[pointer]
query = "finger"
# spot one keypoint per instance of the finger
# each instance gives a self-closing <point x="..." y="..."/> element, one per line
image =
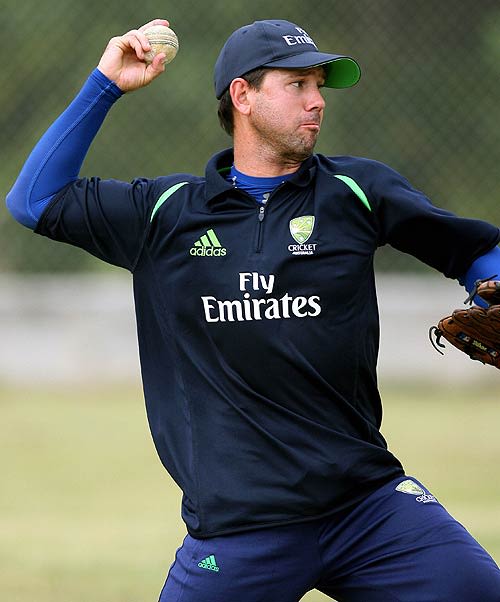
<point x="154" y="22"/>
<point x="138" y="34"/>
<point x="138" y="42"/>
<point x="157" y="65"/>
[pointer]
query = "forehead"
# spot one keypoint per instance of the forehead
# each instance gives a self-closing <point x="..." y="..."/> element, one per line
<point x="318" y="72"/>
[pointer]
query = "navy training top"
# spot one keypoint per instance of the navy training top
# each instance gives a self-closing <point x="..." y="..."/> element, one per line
<point x="258" y="325"/>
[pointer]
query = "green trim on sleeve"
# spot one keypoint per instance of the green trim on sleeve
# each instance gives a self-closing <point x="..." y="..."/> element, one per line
<point x="356" y="189"/>
<point x="168" y="193"/>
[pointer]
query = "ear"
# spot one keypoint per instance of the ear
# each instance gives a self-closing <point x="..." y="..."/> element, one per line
<point x="239" y="89"/>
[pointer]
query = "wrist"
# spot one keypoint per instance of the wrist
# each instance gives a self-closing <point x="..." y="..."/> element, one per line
<point x="105" y="84"/>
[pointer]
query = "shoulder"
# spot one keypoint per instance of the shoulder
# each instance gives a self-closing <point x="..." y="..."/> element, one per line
<point x="173" y="190"/>
<point x="365" y="169"/>
<point x="375" y="178"/>
<point x="167" y="186"/>
<point x="163" y="183"/>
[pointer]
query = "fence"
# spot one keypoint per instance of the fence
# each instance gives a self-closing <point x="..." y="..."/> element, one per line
<point x="427" y="104"/>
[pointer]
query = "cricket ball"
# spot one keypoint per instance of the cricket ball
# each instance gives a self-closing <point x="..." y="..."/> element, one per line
<point x="162" y="39"/>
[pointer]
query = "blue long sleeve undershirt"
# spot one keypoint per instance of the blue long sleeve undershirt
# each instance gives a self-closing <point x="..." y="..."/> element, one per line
<point x="57" y="158"/>
<point x="486" y="266"/>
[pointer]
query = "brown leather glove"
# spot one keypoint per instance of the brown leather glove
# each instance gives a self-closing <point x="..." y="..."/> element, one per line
<point x="475" y="330"/>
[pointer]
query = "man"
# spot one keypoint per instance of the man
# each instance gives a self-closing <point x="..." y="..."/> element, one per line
<point x="258" y="330"/>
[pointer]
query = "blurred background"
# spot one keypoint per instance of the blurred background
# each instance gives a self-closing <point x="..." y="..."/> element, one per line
<point x="427" y="102"/>
<point x="86" y="512"/>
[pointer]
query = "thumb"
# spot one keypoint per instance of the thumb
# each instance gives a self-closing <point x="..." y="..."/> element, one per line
<point x="155" y="68"/>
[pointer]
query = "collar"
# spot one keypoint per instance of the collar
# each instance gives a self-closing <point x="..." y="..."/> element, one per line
<point x="220" y="164"/>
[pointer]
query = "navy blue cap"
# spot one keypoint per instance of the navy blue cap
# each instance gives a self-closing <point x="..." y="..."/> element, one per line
<point x="280" y="44"/>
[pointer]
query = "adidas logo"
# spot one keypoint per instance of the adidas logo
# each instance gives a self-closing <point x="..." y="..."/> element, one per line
<point x="208" y="246"/>
<point x="209" y="563"/>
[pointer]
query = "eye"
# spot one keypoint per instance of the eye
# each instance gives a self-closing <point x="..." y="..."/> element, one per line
<point x="298" y="84"/>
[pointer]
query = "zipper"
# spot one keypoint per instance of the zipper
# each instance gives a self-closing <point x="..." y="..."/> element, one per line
<point x="261" y="215"/>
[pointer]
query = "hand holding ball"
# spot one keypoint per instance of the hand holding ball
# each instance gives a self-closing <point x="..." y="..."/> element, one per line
<point x="161" y="39"/>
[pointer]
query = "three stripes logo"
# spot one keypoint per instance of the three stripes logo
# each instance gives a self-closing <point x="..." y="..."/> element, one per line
<point x="209" y="563"/>
<point x="208" y="246"/>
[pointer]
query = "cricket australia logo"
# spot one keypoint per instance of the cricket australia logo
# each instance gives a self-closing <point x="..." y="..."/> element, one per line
<point x="411" y="488"/>
<point x="208" y="246"/>
<point x="301" y="229"/>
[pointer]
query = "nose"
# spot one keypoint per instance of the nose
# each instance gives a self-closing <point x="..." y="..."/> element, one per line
<point x="315" y="101"/>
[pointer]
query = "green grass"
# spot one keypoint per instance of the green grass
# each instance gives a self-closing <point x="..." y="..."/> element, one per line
<point x="87" y="513"/>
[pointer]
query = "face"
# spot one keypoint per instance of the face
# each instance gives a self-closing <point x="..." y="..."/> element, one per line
<point x="287" y="111"/>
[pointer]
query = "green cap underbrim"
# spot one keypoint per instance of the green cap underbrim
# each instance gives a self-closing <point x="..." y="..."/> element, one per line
<point x="342" y="73"/>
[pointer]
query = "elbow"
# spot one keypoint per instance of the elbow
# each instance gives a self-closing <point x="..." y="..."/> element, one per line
<point x="17" y="208"/>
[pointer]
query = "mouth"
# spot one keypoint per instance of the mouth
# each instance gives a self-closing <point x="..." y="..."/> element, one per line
<point x="315" y="127"/>
<point x="313" y="123"/>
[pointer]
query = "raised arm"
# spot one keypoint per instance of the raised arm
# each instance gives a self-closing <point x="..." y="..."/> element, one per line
<point x="57" y="158"/>
<point x="124" y="62"/>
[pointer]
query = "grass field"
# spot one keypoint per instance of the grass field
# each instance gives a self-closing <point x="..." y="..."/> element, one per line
<point x="87" y="514"/>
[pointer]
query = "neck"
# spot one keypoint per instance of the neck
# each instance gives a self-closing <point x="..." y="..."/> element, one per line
<point x="262" y="161"/>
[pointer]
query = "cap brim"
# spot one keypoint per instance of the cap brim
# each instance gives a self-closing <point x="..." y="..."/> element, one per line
<point x="341" y="71"/>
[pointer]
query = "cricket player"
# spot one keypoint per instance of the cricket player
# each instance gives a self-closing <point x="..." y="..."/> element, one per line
<point x="258" y="329"/>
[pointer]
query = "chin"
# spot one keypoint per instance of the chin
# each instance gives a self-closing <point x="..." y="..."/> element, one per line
<point x="298" y="149"/>
<point x="306" y="149"/>
<point x="298" y="156"/>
